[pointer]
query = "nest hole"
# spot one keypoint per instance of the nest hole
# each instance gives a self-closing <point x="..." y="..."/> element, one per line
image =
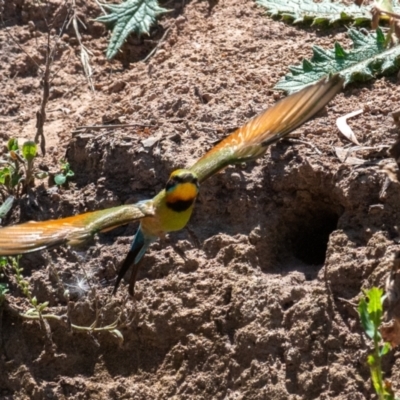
<point x="305" y="231"/>
<point x="310" y="237"/>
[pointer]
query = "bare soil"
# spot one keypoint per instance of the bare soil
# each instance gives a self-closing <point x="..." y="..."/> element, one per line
<point x="277" y="251"/>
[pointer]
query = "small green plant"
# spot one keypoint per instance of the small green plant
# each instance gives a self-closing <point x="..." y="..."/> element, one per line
<point x="6" y="207"/>
<point x="368" y="57"/>
<point x="41" y="312"/>
<point x="37" y="308"/>
<point x="129" y="16"/>
<point x="372" y="54"/>
<point x="17" y="169"/>
<point x="318" y="13"/>
<point x="10" y="168"/>
<point x="66" y="172"/>
<point x="370" y="310"/>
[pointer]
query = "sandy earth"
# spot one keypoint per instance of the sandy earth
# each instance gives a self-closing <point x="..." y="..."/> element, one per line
<point x="277" y="251"/>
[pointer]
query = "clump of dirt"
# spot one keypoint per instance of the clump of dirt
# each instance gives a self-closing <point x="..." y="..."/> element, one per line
<point x="277" y="251"/>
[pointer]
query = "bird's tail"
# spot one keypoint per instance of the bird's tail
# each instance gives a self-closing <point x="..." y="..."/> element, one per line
<point x="33" y="236"/>
<point x="133" y="258"/>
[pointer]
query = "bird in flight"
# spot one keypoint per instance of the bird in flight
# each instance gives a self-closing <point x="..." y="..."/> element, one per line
<point x="170" y="210"/>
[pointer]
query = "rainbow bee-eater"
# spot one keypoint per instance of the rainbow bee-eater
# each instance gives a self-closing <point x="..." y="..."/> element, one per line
<point x="170" y="210"/>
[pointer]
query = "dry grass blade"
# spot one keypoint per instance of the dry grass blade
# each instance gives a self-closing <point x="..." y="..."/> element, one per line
<point x="159" y="44"/>
<point x="81" y="129"/>
<point x="85" y="53"/>
<point x="344" y="155"/>
<point x="41" y="113"/>
<point x="305" y="142"/>
<point x="345" y="129"/>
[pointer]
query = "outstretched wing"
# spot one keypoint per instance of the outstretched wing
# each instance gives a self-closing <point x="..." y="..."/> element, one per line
<point x="33" y="236"/>
<point x="251" y="140"/>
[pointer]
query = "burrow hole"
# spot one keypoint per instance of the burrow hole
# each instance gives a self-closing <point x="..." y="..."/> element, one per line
<point x="310" y="236"/>
<point x="305" y="231"/>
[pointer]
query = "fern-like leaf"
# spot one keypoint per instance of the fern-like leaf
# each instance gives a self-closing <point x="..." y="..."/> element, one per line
<point x="318" y="13"/>
<point x="127" y="17"/>
<point x="368" y="58"/>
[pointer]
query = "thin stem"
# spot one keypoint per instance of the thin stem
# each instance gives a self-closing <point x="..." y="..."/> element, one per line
<point x="91" y="328"/>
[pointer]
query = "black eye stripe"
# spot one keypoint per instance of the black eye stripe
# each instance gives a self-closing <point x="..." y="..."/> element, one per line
<point x="170" y="184"/>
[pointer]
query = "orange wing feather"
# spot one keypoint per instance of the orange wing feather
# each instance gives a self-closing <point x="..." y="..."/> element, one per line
<point x="251" y="140"/>
<point x="33" y="236"/>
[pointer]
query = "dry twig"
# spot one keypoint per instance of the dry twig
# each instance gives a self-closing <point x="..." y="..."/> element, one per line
<point x="85" y="53"/>
<point x="158" y="45"/>
<point x="305" y="142"/>
<point x="81" y="129"/>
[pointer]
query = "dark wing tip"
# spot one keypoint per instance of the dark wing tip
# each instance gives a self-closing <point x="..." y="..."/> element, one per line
<point x="128" y="262"/>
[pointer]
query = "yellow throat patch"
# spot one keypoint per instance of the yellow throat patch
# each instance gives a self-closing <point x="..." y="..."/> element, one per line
<point x="182" y="192"/>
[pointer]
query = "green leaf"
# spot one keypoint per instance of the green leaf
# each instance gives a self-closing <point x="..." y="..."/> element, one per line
<point x="6" y="206"/>
<point x="12" y="144"/>
<point x="366" y="321"/>
<point x="376" y="379"/>
<point x="16" y="179"/>
<point x="43" y="306"/>
<point x="29" y="150"/>
<point x="130" y="16"/>
<point x="60" y="179"/>
<point x="70" y="173"/>
<point x="375" y="305"/>
<point x="324" y="12"/>
<point x="385" y="349"/>
<point x="364" y="61"/>
<point x="3" y="289"/>
<point x="339" y="52"/>
<point x="3" y="261"/>
<point x="4" y="173"/>
<point x="371" y="360"/>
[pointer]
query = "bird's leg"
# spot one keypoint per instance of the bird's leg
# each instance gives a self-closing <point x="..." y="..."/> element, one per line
<point x="177" y="250"/>
<point x="194" y="237"/>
